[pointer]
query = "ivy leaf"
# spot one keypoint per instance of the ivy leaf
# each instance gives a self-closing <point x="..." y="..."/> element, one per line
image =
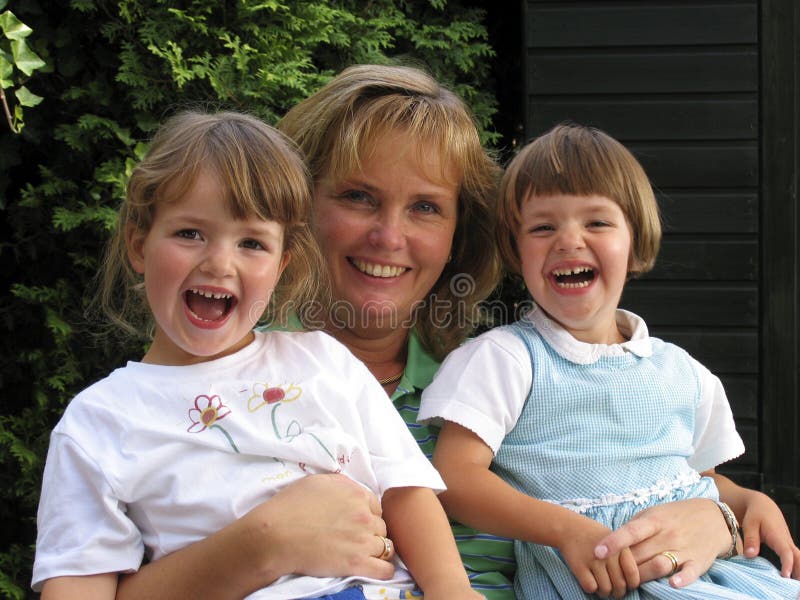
<point x="26" y="97"/>
<point x="6" y="71"/>
<point x="26" y="59"/>
<point x="12" y="27"/>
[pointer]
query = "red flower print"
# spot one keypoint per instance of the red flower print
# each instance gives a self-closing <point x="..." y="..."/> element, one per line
<point x="207" y="411"/>
<point x="273" y="394"/>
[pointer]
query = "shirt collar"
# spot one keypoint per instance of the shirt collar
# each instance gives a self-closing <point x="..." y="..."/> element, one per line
<point x="574" y="350"/>
<point x="421" y="366"/>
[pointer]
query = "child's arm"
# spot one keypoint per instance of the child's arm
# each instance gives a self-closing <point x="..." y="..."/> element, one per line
<point x="479" y="498"/>
<point x="89" y="587"/>
<point x="422" y="537"/>
<point x="760" y="519"/>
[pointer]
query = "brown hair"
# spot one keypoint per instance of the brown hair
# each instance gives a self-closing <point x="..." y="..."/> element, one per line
<point x="262" y="174"/>
<point x="341" y="122"/>
<point x="583" y="161"/>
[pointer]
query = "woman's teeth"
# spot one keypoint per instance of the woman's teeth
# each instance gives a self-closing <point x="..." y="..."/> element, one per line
<point x="378" y="270"/>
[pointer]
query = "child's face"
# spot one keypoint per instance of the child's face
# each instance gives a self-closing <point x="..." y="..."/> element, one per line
<point x="208" y="277"/>
<point x="575" y="252"/>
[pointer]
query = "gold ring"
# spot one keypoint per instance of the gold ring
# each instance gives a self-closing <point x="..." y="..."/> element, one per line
<point x="387" y="548"/>
<point x="674" y="560"/>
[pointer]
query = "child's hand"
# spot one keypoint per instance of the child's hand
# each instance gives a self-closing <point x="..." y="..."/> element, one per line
<point x="763" y="520"/>
<point x="613" y="576"/>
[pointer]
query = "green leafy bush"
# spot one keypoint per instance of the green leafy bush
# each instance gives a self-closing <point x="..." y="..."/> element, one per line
<point x="112" y="70"/>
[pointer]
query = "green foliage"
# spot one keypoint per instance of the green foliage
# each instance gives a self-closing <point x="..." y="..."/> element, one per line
<point x="15" y="55"/>
<point x="115" y="69"/>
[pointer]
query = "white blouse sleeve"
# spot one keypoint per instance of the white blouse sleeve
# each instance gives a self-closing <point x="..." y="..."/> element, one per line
<point x="482" y="386"/>
<point x="716" y="440"/>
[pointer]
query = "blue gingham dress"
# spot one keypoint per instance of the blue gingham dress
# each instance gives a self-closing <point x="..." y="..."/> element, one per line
<point x="609" y="439"/>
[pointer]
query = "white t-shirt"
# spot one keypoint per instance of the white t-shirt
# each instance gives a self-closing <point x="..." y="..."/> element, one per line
<point x="483" y="386"/>
<point x="153" y="458"/>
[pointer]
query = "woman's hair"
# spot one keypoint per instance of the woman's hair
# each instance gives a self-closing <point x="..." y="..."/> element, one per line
<point x="340" y="124"/>
<point x="573" y="159"/>
<point x="261" y="173"/>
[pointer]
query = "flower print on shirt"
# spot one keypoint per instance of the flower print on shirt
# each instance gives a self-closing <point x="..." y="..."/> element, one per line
<point x="205" y="414"/>
<point x="264" y="395"/>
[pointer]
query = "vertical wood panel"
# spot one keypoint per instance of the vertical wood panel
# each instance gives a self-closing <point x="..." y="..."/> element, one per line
<point x="780" y="217"/>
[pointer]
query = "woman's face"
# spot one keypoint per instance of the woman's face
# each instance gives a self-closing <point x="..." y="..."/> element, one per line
<point x="386" y="232"/>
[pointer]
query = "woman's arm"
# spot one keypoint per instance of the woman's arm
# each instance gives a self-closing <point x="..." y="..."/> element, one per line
<point x="760" y="519"/>
<point x="477" y="497"/>
<point x="322" y="525"/>
<point x="423" y="539"/>
<point x="88" y="587"/>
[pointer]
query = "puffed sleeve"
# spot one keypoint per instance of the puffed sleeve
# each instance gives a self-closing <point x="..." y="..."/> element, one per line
<point x="716" y="440"/>
<point x="482" y="386"/>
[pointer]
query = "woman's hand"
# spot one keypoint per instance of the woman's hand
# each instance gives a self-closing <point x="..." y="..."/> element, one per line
<point x="693" y="530"/>
<point x="323" y="525"/>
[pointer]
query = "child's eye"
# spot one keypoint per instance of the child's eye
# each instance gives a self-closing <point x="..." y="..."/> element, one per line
<point x="189" y="234"/>
<point x="252" y="245"/>
<point x="544" y="228"/>
<point x="599" y="224"/>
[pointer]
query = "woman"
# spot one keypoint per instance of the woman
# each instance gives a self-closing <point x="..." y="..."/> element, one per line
<point x="404" y="203"/>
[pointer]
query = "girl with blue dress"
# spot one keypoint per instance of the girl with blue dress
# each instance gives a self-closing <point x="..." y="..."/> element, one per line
<point x="565" y="425"/>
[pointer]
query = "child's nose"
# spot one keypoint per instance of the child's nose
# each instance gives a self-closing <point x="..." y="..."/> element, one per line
<point x="218" y="261"/>
<point x="570" y="238"/>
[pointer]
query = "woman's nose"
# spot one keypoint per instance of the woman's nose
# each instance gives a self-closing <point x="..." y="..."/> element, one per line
<point x="388" y="232"/>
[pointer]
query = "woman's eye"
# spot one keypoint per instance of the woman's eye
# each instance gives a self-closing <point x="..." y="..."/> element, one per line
<point x="356" y="196"/>
<point x="189" y="234"/>
<point x="427" y="208"/>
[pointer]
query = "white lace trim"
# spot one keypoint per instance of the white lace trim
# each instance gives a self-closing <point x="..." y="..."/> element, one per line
<point x="661" y="489"/>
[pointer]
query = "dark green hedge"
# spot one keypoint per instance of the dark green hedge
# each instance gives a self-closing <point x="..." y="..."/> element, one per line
<point x="113" y="70"/>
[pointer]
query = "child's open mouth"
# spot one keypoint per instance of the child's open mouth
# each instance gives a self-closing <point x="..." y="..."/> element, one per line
<point x="576" y="277"/>
<point x="209" y="306"/>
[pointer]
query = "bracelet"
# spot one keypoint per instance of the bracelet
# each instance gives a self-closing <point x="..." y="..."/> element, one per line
<point x="733" y="526"/>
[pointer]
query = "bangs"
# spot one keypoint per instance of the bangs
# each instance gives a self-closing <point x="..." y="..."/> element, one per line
<point x="576" y="164"/>
<point x="432" y="130"/>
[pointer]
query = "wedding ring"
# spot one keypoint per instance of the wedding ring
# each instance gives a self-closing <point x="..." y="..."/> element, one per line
<point x="388" y="548"/>
<point x="674" y="560"/>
